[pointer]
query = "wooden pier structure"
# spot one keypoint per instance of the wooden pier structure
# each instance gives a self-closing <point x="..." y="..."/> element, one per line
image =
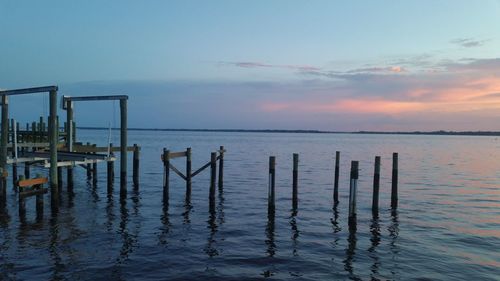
<point x="53" y="148"/>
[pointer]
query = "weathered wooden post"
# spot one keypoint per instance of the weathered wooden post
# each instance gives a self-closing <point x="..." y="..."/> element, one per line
<point x="221" y="167"/>
<point x="53" y="139"/>
<point x="59" y="179"/>
<point x="336" y="179"/>
<point x="271" y="188"/>
<point x="21" y="201"/>
<point x="3" y="148"/>
<point x="352" y="193"/>
<point x="94" y="168"/>
<point x="14" y="152"/>
<point x="89" y="167"/>
<point x="188" y="170"/>
<point x="123" y="148"/>
<point x="295" y="175"/>
<point x="376" y="186"/>
<point x="33" y="133"/>
<point x="135" y="163"/>
<point x="166" y="175"/>
<point x="394" y="191"/>
<point x="69" y="140"/>
<point x="27" y="170"/>
<point x="213" y="175"/>
<point x="110" y="170"/>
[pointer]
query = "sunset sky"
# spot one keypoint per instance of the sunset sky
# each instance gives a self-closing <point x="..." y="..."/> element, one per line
<point x="327" y="65"/>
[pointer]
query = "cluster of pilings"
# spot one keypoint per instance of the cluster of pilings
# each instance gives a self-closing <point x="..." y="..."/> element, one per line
<point x="353" y="185"/>
<point x="44" y="144"/>
<point x="167" y="166"/>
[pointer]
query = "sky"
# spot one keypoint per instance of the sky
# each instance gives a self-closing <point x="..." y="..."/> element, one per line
<point x="324" y="65"/>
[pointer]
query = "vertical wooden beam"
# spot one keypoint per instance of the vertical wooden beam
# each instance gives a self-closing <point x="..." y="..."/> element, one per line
<point x="27" y="169"/>
<point x="3" y="152"/>
<point x="213" y="175"/>
<point x="353" y="192"/>
<point x="54" y="197"/>
<point x="188" y="170"/>
<point x="14" y="153"/>
<point x="89" y="167"/>
<point x="376" y="186"/>
<point x="69" y="140"/>
<point x="394" y="190"/>
<point x="94" y="170"/>
<point x="166" y="175"/>
<point x="221" y="168"/>
<point x="110" y="171"/>
<point x="59" y="179"/>
<point x="135" y="170"/>
<point x="271" y="188"/>
<point x="123" y="148"/>
<point x="336" y="179"/>
<point x="21" y="201"/>
<point x="295" y="176"/>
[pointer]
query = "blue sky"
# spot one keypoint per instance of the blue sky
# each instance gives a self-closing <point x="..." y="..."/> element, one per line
<point x="331" y="65"/>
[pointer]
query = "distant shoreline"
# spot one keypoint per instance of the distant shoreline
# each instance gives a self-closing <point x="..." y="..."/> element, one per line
<point x="437" y="133"/>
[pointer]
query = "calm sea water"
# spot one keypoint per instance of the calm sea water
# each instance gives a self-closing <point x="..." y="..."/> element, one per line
<point x="447" y="226"/>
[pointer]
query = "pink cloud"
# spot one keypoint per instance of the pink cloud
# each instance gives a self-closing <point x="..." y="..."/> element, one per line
<point x="248" y="64"/>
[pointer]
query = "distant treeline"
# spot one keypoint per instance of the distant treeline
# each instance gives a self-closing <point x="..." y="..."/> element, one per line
<point x="452" y="133"/>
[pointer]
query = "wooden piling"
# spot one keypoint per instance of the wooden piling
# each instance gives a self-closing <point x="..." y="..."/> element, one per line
<point x="221" y="167"/>
<point x="89" y="167"/>
<point x="166" y="175"/>
<point x="123" y="148"/>
<point x="352" y="192"/>
<point x="94" y="170"/>
<point x="14" y="153"/>
<point x="336" y="179"/>
<point x="188" y="170"/>
<point x="21" y="201"/>
<point x="213" y="175"/>
<point x="376" y="186"/>
<point x="135" y="174"/>
<point x="53" y="139"/>
<point x="110" y="171"/>
<point x="3" y="149"/>
<point x="69" y="140"/>
<point x="27" y="169"/>
<point x="394" y="190"/>
<point x="271" y="188"/>
<point x="295" y="175"/>
<point x="59" y="179"/>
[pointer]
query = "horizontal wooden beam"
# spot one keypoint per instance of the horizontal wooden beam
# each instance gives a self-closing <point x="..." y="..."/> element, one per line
<point x="33" y="192"/>
<point x="28" y="91"/>
<point x="31" y="182"/>
<point x="89" y="149"/>
<point x="96" y="98"/>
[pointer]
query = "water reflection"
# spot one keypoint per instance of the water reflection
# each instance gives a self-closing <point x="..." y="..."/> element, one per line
<point x="127" y="238"/>
<point x="210" y="248"/>
<point x="375" y="241"/>
<point x="295" y="232"/>
<point x="393" y="235"/>
<point x="271" y="245"/>
<point x="54" y="241"/>
<point x="110" y="213"/>
<point x="350" y="253"/>
<point x="165" y="221"/>
<point x="187" y="208"/>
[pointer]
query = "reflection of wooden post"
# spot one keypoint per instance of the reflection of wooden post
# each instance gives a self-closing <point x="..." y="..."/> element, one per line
<point x="336" y="179"/>
<point x="27" y="170"/>
<point x="22" y="203"/>
<point x="271" y="191"/>
<point x="221" y="168"/>
<point x="94" y="169"/>
<point x="135" y="163"/>
<point x="376" y="186"/>
<point x="213" y="175"/>
<point x="352" y="192"/>
<point x="188" y="170"/>
<point x="53" y="132"/>
<point x="59" y="179"/>
<point x="166" y="175"/>
<point x="295" y="175"/>
<point x="394" y="191"/>
<point x="89" y="167"/>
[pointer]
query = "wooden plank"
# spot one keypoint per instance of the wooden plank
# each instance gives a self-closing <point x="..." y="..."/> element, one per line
<point x="90" y="149"/>
<point x="28" y="91"/>
<point x="31" y="182"/>
<point x="96" y="98"/>
<point x="177" y="171"/>
<point x="201" y="169"/>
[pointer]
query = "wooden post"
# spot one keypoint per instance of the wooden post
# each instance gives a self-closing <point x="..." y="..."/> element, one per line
<point x="27" y="169"/>
<point x="352" y="192"/>
<point x="271" y="188"/>
<point x="89" y="167"/>
<point x="394" y="191"/>
<point x="188" y="170"/>
<point x="376" y="186"/>
<point x="221" y="168"/>
<point x="94" y="170"/>
<point x="53" y="139"/>
<point x="69" y="140"/>
<point x="21" y="203"/>
<point x="39" y="199"/>
<point x="166" y="175"/>
<point x="295" y="176"/>
<point x="59" y="178"/>
<point x="135" y="163"/>
<point x="3" y="148"/>
<point x="14" y="153"/>
<point x="336" y="179"/>
<point x="33" y="133"/>
<point x="123" y="148"/>
<point x="110" y="171"/>
<point x="213" y="175"/>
